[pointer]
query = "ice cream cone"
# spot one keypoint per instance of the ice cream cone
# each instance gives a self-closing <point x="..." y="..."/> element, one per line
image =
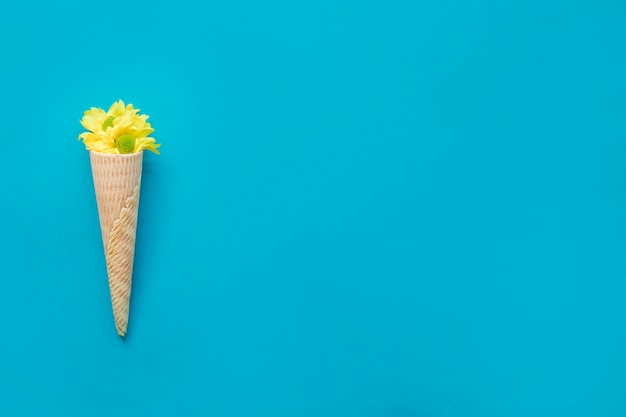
<point x="117" y="180"/>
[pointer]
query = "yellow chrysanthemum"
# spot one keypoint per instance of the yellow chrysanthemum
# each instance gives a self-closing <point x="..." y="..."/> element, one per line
<point x="120" y="130"/>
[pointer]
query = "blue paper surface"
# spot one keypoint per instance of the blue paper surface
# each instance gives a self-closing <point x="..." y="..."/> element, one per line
<point x="362" y="208"/>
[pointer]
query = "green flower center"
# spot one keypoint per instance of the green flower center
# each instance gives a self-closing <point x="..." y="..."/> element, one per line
<point x="125" y="143"/>
<point x="108" y="123"/>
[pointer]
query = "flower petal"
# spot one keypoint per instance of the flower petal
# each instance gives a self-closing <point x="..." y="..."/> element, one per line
<point x="116" y="109"/>
<point x="93" y="119"/>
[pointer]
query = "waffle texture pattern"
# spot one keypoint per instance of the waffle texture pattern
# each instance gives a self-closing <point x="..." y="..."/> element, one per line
<point x="117" y="181"/>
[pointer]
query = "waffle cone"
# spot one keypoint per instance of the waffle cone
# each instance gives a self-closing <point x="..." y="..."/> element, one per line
<point x="117" y="180"/>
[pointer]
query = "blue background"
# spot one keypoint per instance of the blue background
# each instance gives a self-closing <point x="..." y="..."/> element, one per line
<point x="362" y="208"/>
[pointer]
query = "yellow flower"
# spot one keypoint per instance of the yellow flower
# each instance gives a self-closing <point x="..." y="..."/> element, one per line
<point x="120" y="130"/>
